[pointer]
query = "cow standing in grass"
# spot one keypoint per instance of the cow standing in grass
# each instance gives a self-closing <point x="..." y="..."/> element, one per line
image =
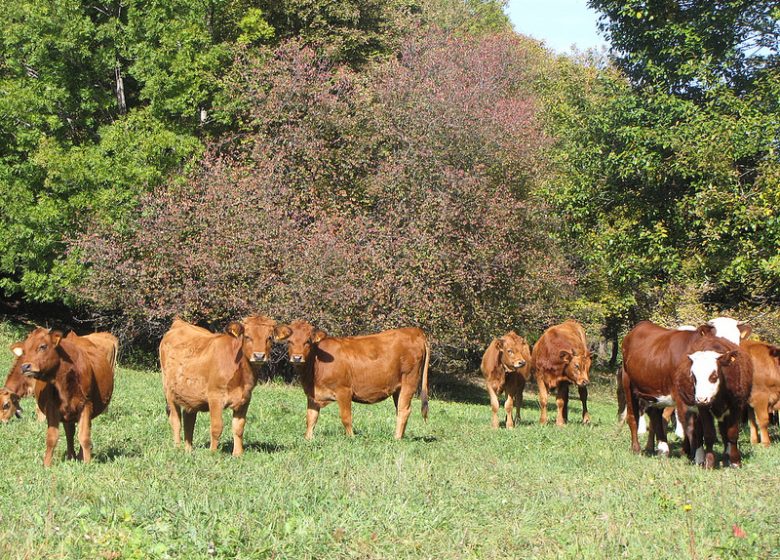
<point x="560" y="357"/>
<point x="203" y="371"/>
<point x="363" y="369"/>
<point x="765" y="394"/>
<point x="505" y="367"/>
<point x="74" y="382"/>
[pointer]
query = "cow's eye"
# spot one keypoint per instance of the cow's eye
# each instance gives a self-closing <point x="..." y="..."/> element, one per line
<point x="511" y="351"/>
<point x="7" y="406"/>
<point x="713" y="377"/>
<point x="42" y="347"/>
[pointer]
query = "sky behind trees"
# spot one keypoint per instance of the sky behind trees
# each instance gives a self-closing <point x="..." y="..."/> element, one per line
<point x="559" y="23"/>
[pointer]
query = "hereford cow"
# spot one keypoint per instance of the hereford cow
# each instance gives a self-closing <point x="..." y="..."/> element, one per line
<point x="713" y="382"/>
<point x="363" y="369"/>
<point x="204" y="371"/>
<point x="74" y="382"/>
<point x="560" y="357"/>
<point x="505" y="366"/>
<point x="651" y="355"/>
<point x="765" y="394"/>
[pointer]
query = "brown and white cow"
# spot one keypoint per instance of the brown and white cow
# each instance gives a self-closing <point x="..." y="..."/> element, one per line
<point x="205" y="371"/>
<point x="505" y="367"/>
<point x="651" y="355"/>
<point x="559" y="358"/>
<point x="362" y="369"/>
<point x="765" y="394"/>
<point x="74" y="382"/>
<point x="713" y="382"/>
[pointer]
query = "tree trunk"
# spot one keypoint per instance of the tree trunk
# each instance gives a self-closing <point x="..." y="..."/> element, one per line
<point x="120" y="91"/>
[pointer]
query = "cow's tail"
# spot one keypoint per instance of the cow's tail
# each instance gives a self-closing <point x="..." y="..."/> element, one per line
<point x="424" y="391"/>
<point x="621" y="396"/>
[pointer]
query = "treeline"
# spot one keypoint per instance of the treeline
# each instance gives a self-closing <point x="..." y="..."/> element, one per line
<point x="366" y="165"/>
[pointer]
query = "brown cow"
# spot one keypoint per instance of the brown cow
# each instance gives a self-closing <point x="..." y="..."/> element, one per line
<point x="765" y="395"/>
<point x="713" y="382"/>
<point x="74" y="382"/>
<point x="363" y="369"/>
<point x="17" y="386"/>
<point x="505" y="366"/>
<point x="651" y="355"/>
<point x="203" y="371"/>
<point x="560" y="357"/>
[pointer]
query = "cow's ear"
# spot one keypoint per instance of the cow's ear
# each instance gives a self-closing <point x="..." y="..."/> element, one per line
<point x="728" y="358"/>
<point x="235" y="329"/>
<point x="706" y="330"/>
<point x="774" y="351"/>
<point x="744" y="330"/>
<point x="318" y="336"/>
<point x="282" y="332"/>
<point x="499" y="344"/>
<point x="56" y="336"/>
<point x="17" y="349"/>
<point x="565" y="356"/>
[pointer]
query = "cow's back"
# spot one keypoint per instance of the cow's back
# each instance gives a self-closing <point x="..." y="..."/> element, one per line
<point x="568" y="336"/>
<point x="372" y="365"/>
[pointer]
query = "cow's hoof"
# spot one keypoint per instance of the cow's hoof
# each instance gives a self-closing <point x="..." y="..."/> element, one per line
<point x="663" y="449"/>
<point x="586" y="419"/>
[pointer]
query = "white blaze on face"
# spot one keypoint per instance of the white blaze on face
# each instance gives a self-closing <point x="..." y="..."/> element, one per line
<point x="703" y="365"/>
<point x="727" y="328"/>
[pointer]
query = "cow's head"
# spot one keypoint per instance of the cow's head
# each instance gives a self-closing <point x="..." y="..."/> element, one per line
<point x="576" y="366"/>
<point x="38" y="355"/>
<point x="301" y="338"/>
<point x="514" y="353"/>
<point x="726" y="327"/>
<point x="258" y="338"/>
<point x="705" y="373"/>
<point x="9" y="405"/>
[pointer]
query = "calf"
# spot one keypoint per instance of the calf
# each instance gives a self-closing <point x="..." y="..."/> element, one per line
<point x="713" y="380"/>
<point x="651" y="355"/>
<point x="204" y="371"/>
<point x="363" y="369"/>
<point x="16" y="387"/>
<point x="74" y="382"/>
<point x="559" y="358"/>
<point x="505" y="366"/>
<point x="765" y="394"/>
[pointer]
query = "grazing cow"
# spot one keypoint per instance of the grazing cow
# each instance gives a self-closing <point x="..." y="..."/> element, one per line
<point x="204" y="371"/>
<point x="16" y="387"/>
<point x="506" y="367"/>
<point x="651" y="355"/>
<point x="765" y="395"/>
<point x="74" y="382"/>
<point x="713" y="382"/>
<point x="362" y="369"/>
<point x="560" y="357"/>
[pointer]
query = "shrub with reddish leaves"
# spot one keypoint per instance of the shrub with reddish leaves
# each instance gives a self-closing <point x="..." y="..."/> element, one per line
<point x="395" y="197"/>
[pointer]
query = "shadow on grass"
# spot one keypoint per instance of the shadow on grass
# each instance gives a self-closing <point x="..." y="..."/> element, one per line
<point x="257" y="446"/>
<point x="424" y="439"/>
<point x="112" y="453"/>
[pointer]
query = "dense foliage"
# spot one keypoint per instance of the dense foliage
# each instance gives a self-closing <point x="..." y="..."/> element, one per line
<point x="360" y="201"/>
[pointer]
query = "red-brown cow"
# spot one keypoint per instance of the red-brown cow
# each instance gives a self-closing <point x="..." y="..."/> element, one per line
<point x="204" y="371"/>
<point x="74" y="382"/>
<point x="16" y="387"/>
<point x="560" y="357"/>
<point x="713" y="382"/>
<point x="363" y="369"/>
<point x="505" y="366"/>
<point x="651" y="355"/>
<point x="765" y="395"/>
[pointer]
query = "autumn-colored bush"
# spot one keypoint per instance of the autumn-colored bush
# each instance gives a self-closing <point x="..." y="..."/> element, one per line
<point x="396" y="197"/>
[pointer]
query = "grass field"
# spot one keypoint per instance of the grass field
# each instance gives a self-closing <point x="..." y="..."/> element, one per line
<point x="453" y="488"/>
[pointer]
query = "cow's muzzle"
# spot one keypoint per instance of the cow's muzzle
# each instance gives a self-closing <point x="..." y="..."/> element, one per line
<point x="520" y="364"/>
<point x="28" y="371"/>
<point x="297" y="359"/>
<point x="258" y="357"/>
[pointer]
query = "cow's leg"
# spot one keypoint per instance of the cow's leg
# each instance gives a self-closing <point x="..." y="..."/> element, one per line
<point x="215" y="414"/>
<point x="514" y="398"/>
<point x="752" y="424"/>
<point x="174" y="418"/>
<point x="632" y="407"/>
<point x="85" y="434"/>
<point x="188" y="417"/>
<point x="494" y="405"/>
<point x="509" y="406"/>
<point x="659" y="428"/>
<point x="312" y="413"/>
<point x="52" y="433"/>
<point x="542" y="398"/>
<point x="70" y="432"/>
<point x="238" y="424"/>
<point x="583" y="391"/>
<point x="404" y="409"/>
<point x="518" y="397"/>
<point x="708" y="429"/>
<point x="759" y="411"/>
<point x="729" y="431"/>
<point x="344" y="400"/>
<point x="562" y="400"/>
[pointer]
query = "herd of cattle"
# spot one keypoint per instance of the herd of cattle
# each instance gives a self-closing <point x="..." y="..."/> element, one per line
<point x="704" y="374"/>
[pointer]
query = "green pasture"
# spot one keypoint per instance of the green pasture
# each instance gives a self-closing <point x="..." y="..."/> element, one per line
<point x="454" y="488"/>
